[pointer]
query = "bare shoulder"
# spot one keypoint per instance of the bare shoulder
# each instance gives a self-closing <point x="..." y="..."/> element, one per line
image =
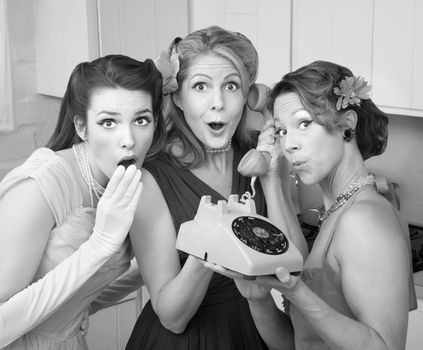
<point x="151" y="193"/>
<point x="152" y="207"/>
<point x="369" y="224"/>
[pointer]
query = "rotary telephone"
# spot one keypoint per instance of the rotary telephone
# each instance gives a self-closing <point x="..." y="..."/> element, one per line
<point x="233" y="235"/>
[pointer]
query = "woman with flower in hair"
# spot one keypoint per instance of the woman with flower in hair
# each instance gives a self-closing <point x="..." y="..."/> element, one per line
<point x="190" y="307"/>
<point x="66" y="211"/>
<point x="356" y="287"/>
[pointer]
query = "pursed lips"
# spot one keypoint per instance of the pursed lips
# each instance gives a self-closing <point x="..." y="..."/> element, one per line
<point x="297" y="163"/>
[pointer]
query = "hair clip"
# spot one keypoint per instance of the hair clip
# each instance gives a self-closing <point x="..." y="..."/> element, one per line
<point x="351" y="91"/>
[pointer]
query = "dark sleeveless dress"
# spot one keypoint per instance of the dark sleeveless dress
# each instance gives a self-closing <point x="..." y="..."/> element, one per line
<point x="223" y="320"/>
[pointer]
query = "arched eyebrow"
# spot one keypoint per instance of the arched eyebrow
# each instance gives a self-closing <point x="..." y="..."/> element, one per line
<point x="145" y="110"/>
<point x="142" y="111"/>
<point x="229" y="76"/>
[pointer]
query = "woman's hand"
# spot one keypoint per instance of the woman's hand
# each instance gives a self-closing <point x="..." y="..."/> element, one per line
<point x="259" y="288"/>
<point x="248" y="288"/>
<point x="282" y="281"/>
<point x="117" y="206"/>
<point x="268" y="141"/>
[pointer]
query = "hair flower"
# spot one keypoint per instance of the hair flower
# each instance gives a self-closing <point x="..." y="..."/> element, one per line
<point x="169" y="67"/>
<point x="351" y="91"/>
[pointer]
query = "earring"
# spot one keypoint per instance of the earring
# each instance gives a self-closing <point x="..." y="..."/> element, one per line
<point x="349" y="134"/>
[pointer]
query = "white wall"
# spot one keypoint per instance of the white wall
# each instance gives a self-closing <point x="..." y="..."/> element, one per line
<point x="402" y="163"/>
<point x="34" y="115"/>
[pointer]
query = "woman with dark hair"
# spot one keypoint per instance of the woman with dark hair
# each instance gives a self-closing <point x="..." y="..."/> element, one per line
<point x="356" y="286"/>
<point x="190" y="307"/>
<point x="66" y="211"/>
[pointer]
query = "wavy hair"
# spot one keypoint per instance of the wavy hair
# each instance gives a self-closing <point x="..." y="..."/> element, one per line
<point x="236" y="48"/>
<point x="314" y="84"/>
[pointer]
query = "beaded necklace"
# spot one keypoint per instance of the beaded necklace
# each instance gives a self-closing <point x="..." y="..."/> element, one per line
<point x="346" y="194"/>
<point x="220" y="150"/>
<point x="87" y="175"/>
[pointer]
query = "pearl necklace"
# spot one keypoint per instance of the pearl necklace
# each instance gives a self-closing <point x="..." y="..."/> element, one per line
<point x="87" y="175"/>
<point x="220" y="150"/>
<point x="352" y="188"/>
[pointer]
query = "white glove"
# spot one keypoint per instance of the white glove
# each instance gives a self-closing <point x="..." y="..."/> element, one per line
<point x="116" y="208"/>
<point x="31" y="306"/>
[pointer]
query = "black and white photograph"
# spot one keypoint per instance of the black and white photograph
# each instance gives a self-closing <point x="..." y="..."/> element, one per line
<point x="211" y="174"/>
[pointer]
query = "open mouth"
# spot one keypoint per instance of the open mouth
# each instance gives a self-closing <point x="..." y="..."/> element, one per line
<point x="216" y="126"/>
<point x="127" y="162"/>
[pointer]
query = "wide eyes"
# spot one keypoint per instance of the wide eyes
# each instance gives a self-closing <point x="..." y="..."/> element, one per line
<point x="281" y="132"/>
<point x="200" y="86"/>
<point x="231" y="86"/>
<point x="142" y="121"/>
<point x="108" y="123"/>
<point x="303" y="124"/>
<point x="139" y="121"/>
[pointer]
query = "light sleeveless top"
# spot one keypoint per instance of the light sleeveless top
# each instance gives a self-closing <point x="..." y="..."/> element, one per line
<point x="74" y="224"/>
<point x="321" y="278"/>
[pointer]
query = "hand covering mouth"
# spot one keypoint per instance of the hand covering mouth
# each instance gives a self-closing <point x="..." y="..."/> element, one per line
<point x="216" y="125"/>
<point x="127" y="162"/>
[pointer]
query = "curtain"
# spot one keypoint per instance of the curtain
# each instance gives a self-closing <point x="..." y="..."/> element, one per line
<point x="6" y="100"/>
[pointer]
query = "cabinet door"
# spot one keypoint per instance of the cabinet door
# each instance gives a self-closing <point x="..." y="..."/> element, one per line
<point x="417" y="99"/>
<point x="109" y="329"/>
<point x="140" y="28"/>
<point x="266" y="23"/>
<point x="415" y="327"/>
<point x="393" y="52"/>
<point x="397" y="56"/>
<point x="72" y="31"/>
<point x="65" y="35"/>
<point x="339" y="31"/>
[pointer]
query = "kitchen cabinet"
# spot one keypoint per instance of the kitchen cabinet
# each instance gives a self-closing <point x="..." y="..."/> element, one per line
<point x="110" y="328"/>
<point x="339" y="31"/>
<point x="65" y="34"/>
<point x="398" y="56"/>
<point x="381" y="40"/>
<point x="266" y="23"/>
<point x="415" y="327"/>
<point x="140" y="28"/>
<point x="71" y="31"/>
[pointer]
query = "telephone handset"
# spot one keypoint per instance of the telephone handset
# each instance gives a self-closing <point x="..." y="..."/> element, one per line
<point x="255" y="163"/>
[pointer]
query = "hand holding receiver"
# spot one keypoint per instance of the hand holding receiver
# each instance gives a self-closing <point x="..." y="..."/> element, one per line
<point x="255" y="163"/>
<point x="116" y="208"/>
